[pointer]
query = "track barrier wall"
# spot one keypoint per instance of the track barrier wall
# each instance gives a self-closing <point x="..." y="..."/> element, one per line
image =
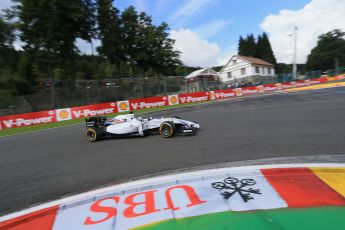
<point x="42" y="117"/>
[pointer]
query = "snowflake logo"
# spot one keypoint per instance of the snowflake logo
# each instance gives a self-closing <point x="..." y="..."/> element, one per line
<point x="232" y="185"/>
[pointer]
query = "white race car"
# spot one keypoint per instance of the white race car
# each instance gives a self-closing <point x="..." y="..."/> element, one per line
<point x="128" y="125"/>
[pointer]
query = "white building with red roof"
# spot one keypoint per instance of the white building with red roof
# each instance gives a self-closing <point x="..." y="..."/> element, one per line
<point x="246" y="69"/>
<point x="201" y="80"/>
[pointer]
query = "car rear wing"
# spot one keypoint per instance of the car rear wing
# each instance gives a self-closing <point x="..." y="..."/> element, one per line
<point x="98" y="121"/>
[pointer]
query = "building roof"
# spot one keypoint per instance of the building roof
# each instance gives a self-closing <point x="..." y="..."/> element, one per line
<point x="251" y="60"/>
<point x="201" y="72"/>
<point x="256" y="61"/>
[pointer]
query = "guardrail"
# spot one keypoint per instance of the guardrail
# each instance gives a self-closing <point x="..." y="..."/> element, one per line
<point x="57" y="115"/>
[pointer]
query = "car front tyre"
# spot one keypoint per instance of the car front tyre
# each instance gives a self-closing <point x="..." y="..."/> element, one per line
<point x="167" y="129"/>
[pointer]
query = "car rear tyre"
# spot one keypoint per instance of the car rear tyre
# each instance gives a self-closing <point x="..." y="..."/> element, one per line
<point x="92" y="135"/>
<point x="167" y="129"/>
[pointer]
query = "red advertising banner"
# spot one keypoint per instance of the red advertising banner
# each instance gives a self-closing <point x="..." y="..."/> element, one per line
<point x="300" y="83"/>
<point x="270" y="87"/>
<point x="151" y="102"/>
<point x="323" y="79"/>
<point x="238" y="92"/>
<point x="27" y="119"/>
<point x="193" y="97"/>
<point x="219" y="94"/>
<point x="314" y="81"/>
<point x="93" y="110"/>
<point x="287" y="85"/>
<point x="250" y="90"/>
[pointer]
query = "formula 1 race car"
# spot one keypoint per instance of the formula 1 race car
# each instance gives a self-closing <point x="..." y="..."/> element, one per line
<point x="100" y="127"/>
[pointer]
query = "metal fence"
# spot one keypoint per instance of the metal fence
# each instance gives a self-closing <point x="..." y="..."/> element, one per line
<point x="309" y="74"/>
<point x="50" y="96"/>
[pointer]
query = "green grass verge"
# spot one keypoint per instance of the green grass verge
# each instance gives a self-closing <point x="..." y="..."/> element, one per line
<point x="25" y="129"/>
<point x="286" y="218"/>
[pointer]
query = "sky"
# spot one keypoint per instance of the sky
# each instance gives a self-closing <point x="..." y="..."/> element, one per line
<point x="207" y="31"/>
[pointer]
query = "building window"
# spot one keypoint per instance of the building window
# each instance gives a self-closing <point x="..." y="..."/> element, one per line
<point x="243" y="71"/>
<point x="257" y="70"/>
<point x="229" y="74"/>
<point x="234" y="62"/>
<point x="269" y="70"/>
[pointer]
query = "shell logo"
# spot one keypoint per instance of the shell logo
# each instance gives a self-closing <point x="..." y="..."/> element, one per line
<point x="238" y="92"/>
<point x="261" y="88"/>
<point x="63" y="114"/>
<point x="173" y="100"/>
<point x="122" y="106"/>
<point x="212" y="95"/>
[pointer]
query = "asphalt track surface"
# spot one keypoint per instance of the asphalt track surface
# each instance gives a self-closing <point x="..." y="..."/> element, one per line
<point x="46" y="165"/>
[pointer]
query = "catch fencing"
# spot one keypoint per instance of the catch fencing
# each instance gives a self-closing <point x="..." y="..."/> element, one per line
<point x="64" y="114"/>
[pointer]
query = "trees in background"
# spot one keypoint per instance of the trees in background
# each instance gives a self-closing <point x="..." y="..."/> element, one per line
<point x="6" y="34"/>
<point x="259" y="48"/>
<point x="147" y="47"/>
<point x="329" y="51"/>
<point x="52" y="26"/>
<point x="264" y="50"/>
<point x="6" y="48"/>
<point x="130" y="45"/>
<point x="109" y="32"/>
<point x="49" y="30"/>
<point x="247" y="46"/>
<point x="8" y="60"/>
